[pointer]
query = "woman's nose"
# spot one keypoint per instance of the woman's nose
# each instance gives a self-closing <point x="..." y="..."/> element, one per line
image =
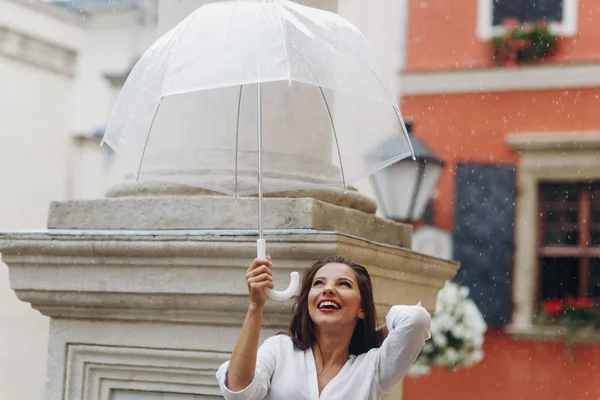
<point x="328" y="290"/>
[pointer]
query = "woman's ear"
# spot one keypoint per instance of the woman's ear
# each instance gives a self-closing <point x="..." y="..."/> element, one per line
<point x="361" y="314"/>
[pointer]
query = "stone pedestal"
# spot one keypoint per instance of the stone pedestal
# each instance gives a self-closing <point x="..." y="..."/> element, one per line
<point x="136" y="309"/>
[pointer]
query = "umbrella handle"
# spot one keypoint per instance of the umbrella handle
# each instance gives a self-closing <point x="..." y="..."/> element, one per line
<point x="261" y="252"/>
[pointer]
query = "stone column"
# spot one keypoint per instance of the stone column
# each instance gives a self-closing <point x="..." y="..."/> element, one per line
<point x="303" y="139"/>
<point x="306" y="145"/>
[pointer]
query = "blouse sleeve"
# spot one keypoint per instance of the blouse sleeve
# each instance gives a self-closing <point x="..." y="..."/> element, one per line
<point x="408" y="328"/>
<point x="266" y="362"/>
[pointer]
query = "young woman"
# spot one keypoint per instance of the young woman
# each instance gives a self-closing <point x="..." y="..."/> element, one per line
<point x="333" y="349"/>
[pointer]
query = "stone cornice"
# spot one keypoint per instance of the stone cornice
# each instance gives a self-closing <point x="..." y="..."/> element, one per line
<point x="539" y="77"/>
<point x="212" y="212"/>
<point x="37" y="52"/>
<point x="552" y="141"/>
<point x="191" y="278"/>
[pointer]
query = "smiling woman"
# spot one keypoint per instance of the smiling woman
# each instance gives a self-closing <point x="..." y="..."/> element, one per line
<point x="339" y="280"/>
<point x="334" y="349"/>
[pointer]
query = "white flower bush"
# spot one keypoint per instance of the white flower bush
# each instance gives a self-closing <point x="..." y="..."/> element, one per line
<point x="457" y="332"/>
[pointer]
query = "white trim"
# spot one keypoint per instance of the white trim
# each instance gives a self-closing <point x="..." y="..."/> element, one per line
<point x="570" y="18"/>
<point x="484" y="19"/>
<point x="403" y="18"/>
<point x="551" y="141"/>
<point x="485" y="30"/>
<point x="500" y="79"/>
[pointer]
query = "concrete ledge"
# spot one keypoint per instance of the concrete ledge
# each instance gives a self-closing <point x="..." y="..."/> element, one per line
<point x="543" y="333"/>
<point x="194" y="279"/>
<point x="552" y="141"/>
<point x="205" y="212"/>
<point x="499" y="79"/>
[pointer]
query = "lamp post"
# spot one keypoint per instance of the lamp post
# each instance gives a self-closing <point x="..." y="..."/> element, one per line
<point x="404" y="188"/>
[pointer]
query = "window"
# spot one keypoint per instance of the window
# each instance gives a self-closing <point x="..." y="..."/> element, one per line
<point x="562" y="15"/>
<point x="545" y="159"/>
<point x="527" y="11"/>
<point x="569" y="240"/>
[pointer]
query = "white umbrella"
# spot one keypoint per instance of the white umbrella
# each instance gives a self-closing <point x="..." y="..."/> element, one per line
<point x="192" y="108"/>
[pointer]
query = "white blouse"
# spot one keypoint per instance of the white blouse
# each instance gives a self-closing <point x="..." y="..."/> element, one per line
<point x="284" y="372"/>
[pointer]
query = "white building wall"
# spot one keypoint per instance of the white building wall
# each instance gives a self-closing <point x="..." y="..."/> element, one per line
<point x="36" y="56"/>
<point x="44" y="102"/>
<point x="115" y="37"/>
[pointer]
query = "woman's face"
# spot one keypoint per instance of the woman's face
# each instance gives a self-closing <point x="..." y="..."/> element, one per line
<point x="334" y="299"/>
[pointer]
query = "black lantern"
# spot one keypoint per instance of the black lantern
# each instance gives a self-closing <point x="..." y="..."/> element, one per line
<point x="405" y="187"/>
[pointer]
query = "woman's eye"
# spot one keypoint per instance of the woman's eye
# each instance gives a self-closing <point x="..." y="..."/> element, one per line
<point x="317" y="282"/>
<point x="346" y="283"/>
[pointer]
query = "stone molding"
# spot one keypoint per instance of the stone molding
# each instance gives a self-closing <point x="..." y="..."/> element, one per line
<point x="217" y="212"/>
<point x="548" y="141"/>
<point x="493" y="79"/>
<point x="37" y="52"/>
<point x="95" y="371"/>
<point x="350" y="199"/>
<point x="158" y="278"/>
<point x="543" y="158"/>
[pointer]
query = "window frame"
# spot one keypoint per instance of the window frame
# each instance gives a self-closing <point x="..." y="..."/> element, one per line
<point x="583" y="251"/>
<point x="485" y="30"/>
<point x="543" y="157"/>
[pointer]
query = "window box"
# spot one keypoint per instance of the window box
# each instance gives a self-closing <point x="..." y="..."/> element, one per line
<point x="523" y="43"/>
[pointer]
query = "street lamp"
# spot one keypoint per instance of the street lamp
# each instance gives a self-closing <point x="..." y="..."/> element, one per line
<point x="404" y="188"/>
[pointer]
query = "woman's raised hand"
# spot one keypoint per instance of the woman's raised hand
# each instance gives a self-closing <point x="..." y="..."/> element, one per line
<point x="259" y="277"/>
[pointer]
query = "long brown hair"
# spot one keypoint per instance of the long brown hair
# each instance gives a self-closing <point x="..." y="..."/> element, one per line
<point x="365" y="336"/>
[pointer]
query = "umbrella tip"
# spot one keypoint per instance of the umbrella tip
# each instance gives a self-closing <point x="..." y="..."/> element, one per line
<point x="102" y="143"/>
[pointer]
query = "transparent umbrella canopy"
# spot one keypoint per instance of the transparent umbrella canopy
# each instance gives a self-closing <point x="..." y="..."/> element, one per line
<point x="254" y="96"/>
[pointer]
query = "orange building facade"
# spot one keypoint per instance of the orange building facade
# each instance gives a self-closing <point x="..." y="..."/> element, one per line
<point x="521" y="186"/>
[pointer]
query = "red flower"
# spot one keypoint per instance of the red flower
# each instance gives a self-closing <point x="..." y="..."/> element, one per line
<point x="528" y="27"/>
<point x="542" y="23"/>
<point x="511" y="23"/>
<point x="571" y="300"/>
<point x="580" y="302"/>
<point x="521" y="44"/>
<point x="553" y="307"/>
<point x="584" y="302"/>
